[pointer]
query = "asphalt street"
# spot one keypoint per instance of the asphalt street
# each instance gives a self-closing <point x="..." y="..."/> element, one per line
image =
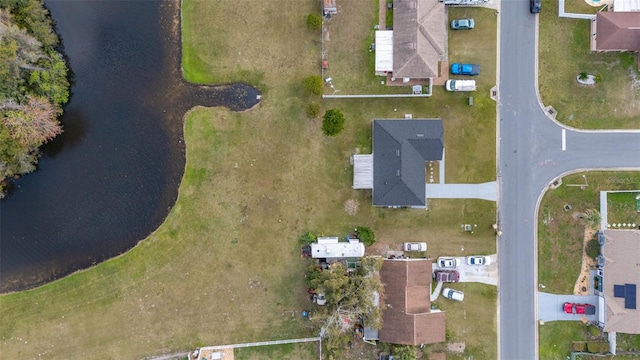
<point x="531" y="154"/>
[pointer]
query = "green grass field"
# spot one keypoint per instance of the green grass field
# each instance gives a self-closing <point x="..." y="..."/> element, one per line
<point x="622" y="208"/>
<point x="224" y="267"/>
<point x="613" y="102"/>
<point x="556" y="338"/>
<point x="560" y="234"/>
<point x="284" y="352"/>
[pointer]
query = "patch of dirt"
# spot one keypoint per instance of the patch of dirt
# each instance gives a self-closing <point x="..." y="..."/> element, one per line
<point x="379" y="248"/>
<point x="227" y="354"/>
<point x="582" y="284"/>
<point x="456" y="347"/>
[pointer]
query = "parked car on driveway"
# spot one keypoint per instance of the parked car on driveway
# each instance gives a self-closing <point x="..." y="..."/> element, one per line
<point x="462" y="24"/>
<point x="478" y="260"/>
<point x="446" y="275"/>
<point x="453" y="294"/>
<point x="448" y="262"/>
<point x="571" y="308"/>
<point x="415" y="246"/>
<point x="465" y="69"/>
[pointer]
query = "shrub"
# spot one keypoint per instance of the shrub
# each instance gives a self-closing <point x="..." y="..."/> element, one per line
<point x="312" y="110"/>
<point x="598" y="347"/>
<point x="404" y="352"/>
<point x="307" y="238"/>
<point x="593" y="249"/>
<point x="593" y="330"/>
<point x="333" y="122"/>
<point x="578" y="346"/>
<point x="314" y="21"/>
<point x="583" y="75"/>
<point x="366" y="235"/>
<point x="313" y="85"/>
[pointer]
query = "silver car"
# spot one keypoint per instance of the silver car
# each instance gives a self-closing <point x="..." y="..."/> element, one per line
<point x="448" y="262"/>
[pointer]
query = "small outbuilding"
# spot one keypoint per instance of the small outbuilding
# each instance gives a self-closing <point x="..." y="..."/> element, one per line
<point x="330" y="7"/>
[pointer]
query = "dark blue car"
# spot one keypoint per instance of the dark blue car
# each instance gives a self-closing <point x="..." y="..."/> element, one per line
<point x="465" y="69"/>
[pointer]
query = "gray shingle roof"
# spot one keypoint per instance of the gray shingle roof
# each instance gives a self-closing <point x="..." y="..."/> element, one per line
<point x="400" y="150"/>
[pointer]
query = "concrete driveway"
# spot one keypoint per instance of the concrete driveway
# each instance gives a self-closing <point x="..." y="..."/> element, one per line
<point x="550" y="306"/>
<point x="475" y="273"/>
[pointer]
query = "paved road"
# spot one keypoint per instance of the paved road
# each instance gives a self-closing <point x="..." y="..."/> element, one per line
<point x="530" y="156"/>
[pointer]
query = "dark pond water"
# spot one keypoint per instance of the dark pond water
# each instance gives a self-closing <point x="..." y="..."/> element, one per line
<point x="110" y="179"/>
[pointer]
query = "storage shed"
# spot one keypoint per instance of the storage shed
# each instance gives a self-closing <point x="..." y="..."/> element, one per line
<point x="330" y="7"/>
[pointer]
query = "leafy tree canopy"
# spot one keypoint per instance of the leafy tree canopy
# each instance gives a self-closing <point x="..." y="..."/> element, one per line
<point x="350" y="298"/>
<point x="366" y="235"/>
<point x="333" y="122"/>
<point x="34" y="85"/>
<point x="313" y="85"/>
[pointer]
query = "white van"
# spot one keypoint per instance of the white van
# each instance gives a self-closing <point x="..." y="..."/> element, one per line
<point x="460" y="85"/>
<point x="453" y="294"/>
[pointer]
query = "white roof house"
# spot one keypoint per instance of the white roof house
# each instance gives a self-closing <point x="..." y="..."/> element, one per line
<point x="626" y="5"/>
<point x="384" y="52"/>
<point x="331" y="247"/>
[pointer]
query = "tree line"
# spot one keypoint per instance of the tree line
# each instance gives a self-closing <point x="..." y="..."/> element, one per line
<point x="34" y="86"/>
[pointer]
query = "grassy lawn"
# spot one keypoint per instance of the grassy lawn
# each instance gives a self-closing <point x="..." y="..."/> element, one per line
<point x="628" y="342"/>
<point x="224" y="267"/>
<point x="560" y="234"/>
<point x="612" y="103"/>
<point x="472" y="322"/>
<point x="556" y="338"/>
<point x="621" y="208"/>
<point x="349" y="34"/>
<point x="284" y="352"/>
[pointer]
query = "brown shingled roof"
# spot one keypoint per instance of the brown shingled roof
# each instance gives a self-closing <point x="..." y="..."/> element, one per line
<point x="406" y="315"/>
<point x="618" y="31"/>
<point x="621" y="253"/>
<point x="419" y="37"/>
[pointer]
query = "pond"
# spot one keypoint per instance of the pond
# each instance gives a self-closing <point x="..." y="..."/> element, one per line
<point x="111" y="178"/>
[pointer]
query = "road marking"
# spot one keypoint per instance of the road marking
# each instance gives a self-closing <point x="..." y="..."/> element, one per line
<point x="564" y="139"/>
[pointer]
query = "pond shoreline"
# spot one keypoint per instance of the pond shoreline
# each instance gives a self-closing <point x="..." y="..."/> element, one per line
<point x="88" y="212"/>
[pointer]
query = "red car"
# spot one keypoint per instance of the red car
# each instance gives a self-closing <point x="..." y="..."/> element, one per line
<point x="587" y="309"/>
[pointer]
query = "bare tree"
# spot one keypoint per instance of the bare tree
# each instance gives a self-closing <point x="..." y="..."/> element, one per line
<point x="35" y="123"/>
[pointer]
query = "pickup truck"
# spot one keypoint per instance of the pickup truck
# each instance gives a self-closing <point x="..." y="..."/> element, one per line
<point x="465" y="69"/>
<point x="571" y="308"/>
<point x="460" y="85"/>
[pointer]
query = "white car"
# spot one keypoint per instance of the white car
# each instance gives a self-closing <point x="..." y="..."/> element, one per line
<point x="415" y="246"/>
<point x="321" y="300"/>
<point x="478" y="260"/>
<point x="448" y="262"/>
<point x="453" y="294"/>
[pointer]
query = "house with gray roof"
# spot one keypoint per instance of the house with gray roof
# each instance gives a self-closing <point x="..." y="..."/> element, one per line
<point x="396" y="171"/>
